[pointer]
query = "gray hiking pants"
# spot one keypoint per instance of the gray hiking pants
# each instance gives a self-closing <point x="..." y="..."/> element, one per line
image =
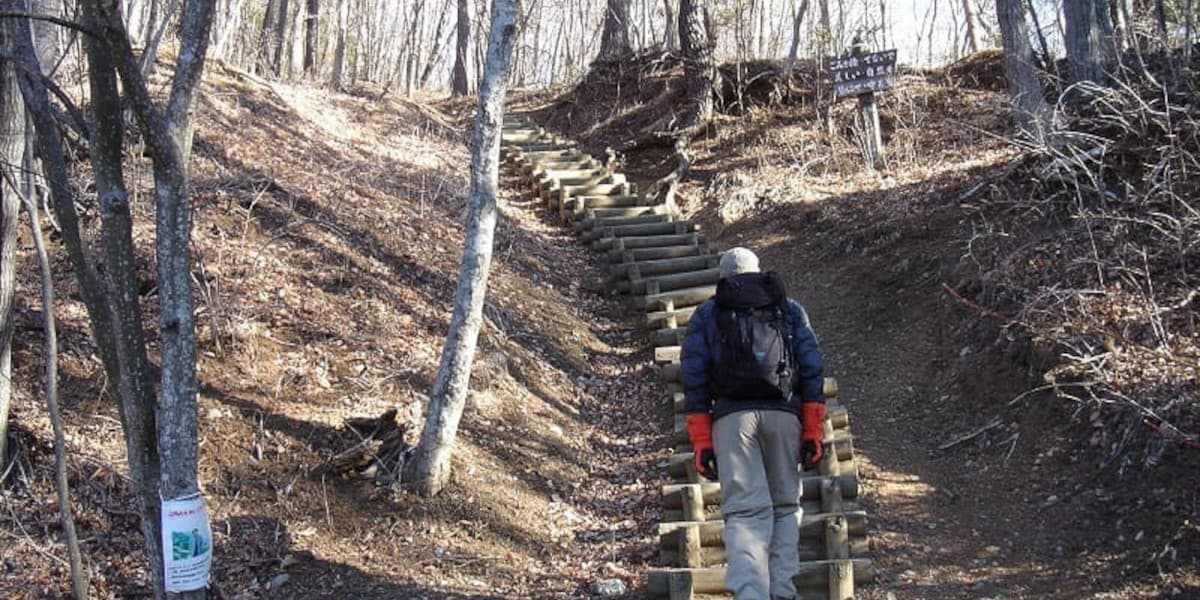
<point x="760" y="489"/>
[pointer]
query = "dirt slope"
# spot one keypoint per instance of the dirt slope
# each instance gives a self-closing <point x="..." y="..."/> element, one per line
<point x="1035" y="504"/>
<point x="327" y="238"/>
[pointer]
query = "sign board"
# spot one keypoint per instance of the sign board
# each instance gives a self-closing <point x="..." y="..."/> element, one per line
<point x="855" y="75"/>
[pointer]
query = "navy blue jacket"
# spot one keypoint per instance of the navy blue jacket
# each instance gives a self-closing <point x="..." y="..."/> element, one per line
<point x="701" y="349"/>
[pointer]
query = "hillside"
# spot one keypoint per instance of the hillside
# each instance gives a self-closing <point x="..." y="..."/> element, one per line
<point x="327" y="238"/>
<point x="928" y="285"/>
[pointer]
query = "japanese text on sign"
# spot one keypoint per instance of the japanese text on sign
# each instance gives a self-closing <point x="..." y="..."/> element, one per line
<point x="854" y="75"/>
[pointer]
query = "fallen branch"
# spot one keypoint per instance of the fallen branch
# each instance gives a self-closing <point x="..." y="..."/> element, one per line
<point x="994" y="423"/>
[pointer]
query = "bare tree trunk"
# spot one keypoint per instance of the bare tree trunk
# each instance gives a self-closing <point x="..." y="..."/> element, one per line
<point x="972" y="36"/>
<point x="311" y="23"/>
<point x="672" y="35"/>
<point x="12" y="147"/>
<point x="797" y="23"/>
<point x="436" y="51"/>
<point x="168" y="133"/>
<point x="699" y="67"/>
<point x="614" y="41"/>
<point x="279" y="31"/>
<point x="825" y="32"/>
<point x="459" y="86"/>
<point x="156" y="28"/>
<point x="79" y="582"/>
<point x="1032" y="110"/>
<point x="1084" y="52"/>
<point x="429" y="469"/>
<point x="1041" y="35"/>
<point x="339" y="48"/>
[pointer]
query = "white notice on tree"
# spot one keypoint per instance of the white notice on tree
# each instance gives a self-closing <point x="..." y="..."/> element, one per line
<point x="187" y="544"/>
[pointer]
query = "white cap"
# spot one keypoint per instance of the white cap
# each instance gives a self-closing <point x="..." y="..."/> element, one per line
<point x="737" y="261"/>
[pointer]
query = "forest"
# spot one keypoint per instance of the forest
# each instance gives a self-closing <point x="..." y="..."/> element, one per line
<point x="391" y="298"/>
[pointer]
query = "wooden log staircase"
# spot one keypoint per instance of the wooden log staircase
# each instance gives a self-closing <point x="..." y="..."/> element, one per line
<point x="667" y="267"/>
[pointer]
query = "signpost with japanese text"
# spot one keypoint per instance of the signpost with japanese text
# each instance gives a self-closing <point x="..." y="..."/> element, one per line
<point x="862" y="74"/>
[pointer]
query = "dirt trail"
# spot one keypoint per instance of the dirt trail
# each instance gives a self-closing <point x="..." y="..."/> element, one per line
<point x="977" y="520"/>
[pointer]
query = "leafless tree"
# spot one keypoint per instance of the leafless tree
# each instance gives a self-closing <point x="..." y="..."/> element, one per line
<point x="1033" y="112"/>
<point x="614" y="41"/>
<point x="429" y="468"/>
<point x="460" y="85"/>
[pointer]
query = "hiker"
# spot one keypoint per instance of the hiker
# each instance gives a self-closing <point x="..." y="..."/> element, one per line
<point x="753" y="394"/>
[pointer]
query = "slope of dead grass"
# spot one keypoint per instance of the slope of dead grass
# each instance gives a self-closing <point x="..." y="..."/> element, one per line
<point x="327" y="239"/>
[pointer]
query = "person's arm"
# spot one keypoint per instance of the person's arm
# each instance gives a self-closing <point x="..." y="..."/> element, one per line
<point x="695" y="359"/>
<point x="810" y="366"/>
<point x="695" y="362"/>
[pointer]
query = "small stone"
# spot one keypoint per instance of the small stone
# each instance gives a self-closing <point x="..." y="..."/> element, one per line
<point x="608" y="588"/>
<point x="965" y="352"/>
<point x="278" y="581"/>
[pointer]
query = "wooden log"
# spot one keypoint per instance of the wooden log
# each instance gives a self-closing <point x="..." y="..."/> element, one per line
<point x="547" y="145"/>
<point x="625" y="211"/>
<point x="597" y="189"/>
<point x="710" y="492"/>
<point x="812" y="576"/>
<point x="666" y="266"/>
<point x="679" y="298"/>
<point x="605" y="238"/>
<point x="831" y="496"/>
<point x="666" y="355"/>
<point x="715" y="555"/>
<point x="691" y="502"/>
<point x="680" y="467"/>
<point x="668" y="336"/>
<point x="665" y="252"/>
<point x="665" y="318"/>
<point x="533" y="169"/>
<point x="641" y="284"/>
<point x="580" y="204"/>
<point x="837" y="538"/>
<point x="688" y="543"/>
<point x="681" y="586"/>
<point x="712" y="512"/>
<point x="813" y="528"/>
<point x="841" y="580"/>
<point x="622" y="245"/>
<point x="551" y="187"/>
<point x="588" y="229"/>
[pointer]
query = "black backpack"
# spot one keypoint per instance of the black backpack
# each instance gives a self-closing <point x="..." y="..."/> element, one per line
<point x="756" y="357"/>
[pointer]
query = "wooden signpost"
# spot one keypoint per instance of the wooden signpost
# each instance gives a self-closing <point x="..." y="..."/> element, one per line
<point x="862" y="74"/>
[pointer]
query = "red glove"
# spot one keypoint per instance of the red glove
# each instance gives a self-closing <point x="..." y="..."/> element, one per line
<point x="812" y="435"/>
<point x="699" y="426"/>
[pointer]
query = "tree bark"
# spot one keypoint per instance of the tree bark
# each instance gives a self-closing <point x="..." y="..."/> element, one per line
<point x="156" y="28"/>
<point x="1083" y="41"/>
<point x="429" y="469"/>
<point x="797" y="23"/>
<point x="311" y="23"/>
<point x="339" y="48"/>
<point x="1032" y="110"/>
<point x="699" y="67"/>
<point x="168" y="135"/>
<point x="12" y="147"/>
<point x="972" y="35"/>
<point x="672" y="35"/>
<point x="459" y="85"/>
<point x="614" y="40"/>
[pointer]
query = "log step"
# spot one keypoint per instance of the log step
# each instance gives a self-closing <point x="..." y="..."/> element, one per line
<point x="589" y="234"/>
<point x="673" y="494"/>
<point x="604" y="238"/>
<point x="691" y="296"/>
<point x="664" y="266"/>
<point x="813" y="576"/>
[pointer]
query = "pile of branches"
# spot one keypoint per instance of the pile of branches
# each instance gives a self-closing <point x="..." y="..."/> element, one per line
<point x="379" y="453"/>
<point x="1090" y="247"/>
